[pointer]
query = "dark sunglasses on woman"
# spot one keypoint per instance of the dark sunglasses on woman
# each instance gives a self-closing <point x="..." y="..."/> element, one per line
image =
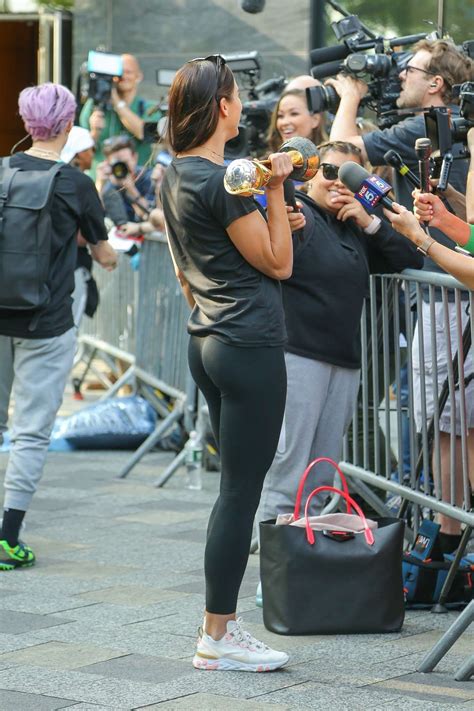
<point x="330" y="171"/>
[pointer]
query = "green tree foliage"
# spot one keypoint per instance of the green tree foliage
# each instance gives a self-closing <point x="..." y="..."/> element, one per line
<point x="57" y="4"/>
<point x="407" y="17"/>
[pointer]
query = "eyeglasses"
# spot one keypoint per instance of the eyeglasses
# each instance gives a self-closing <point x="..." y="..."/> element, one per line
<point x="219" y="62"/>
<point x="330" y="171"/>
<point x="410" y="68"/>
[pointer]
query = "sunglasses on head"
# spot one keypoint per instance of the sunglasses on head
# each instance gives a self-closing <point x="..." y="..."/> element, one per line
<point x="330" y="171"/>
<point x="219" y="61"/>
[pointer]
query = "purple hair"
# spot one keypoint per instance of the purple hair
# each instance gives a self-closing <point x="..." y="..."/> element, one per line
<point x="46" y="110"/>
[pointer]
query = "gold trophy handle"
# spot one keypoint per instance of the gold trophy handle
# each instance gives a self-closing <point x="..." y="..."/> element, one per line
<point x="295" y="156"/>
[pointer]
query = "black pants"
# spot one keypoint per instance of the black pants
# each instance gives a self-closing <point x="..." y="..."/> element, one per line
<point x="245" y="389"/>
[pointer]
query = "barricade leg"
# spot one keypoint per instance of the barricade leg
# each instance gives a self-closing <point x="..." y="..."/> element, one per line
<point x="123" y="380"/>
<point x="465" y="672"/>
<point x="447" y="640"/>
<point x="171" y="468"/>
<point x="152" y="439"/>
<point x="440" y="606"/>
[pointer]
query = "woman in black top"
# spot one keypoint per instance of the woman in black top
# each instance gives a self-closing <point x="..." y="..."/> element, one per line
<point x="340" y="247"/>
<point x="229" y="261"/>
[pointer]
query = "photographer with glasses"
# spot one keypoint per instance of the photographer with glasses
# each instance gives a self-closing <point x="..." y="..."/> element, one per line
<point x="428" y="80"/>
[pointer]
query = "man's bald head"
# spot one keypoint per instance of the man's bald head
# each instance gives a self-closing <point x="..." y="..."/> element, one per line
<point x="304" y="81"/>
<point x="131" y="63"/>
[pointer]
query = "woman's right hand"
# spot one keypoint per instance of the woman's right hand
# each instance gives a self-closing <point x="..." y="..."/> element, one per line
<point x="404" y="222"/>
<point x="429" y="208"/>
<point x="281" y="167"/>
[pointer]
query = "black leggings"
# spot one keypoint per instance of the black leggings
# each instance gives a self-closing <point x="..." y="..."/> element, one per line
<point x="245" y="389"/>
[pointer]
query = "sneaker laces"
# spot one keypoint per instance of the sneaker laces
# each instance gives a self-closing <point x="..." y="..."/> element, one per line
<point x="242" y="635"/>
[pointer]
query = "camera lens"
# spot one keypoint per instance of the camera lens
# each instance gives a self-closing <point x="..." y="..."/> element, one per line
<point x="119" y="169"/>
<point x="322" y="98"/>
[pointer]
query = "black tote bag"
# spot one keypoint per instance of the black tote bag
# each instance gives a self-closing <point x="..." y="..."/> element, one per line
<point x="322" y="583"/>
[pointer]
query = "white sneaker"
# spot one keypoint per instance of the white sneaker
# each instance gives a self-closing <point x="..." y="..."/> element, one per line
<point x="236" y="651"/>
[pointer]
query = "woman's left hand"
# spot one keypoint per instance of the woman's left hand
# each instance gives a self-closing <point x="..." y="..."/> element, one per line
<point x="352" y="209"/>
<point x="296" y="219"/>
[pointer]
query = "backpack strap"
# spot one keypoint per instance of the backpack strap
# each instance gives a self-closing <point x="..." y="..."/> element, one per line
<point x="6" y="177"/>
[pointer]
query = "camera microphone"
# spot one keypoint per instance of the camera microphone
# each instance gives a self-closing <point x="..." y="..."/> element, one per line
<point x="329" y="54"/>
<point x="252" y="6"/>
<point x="394" y="159"/>
<point x="423" y="152"/>
<point x="369" y="190"/>
<point x="328" y="69"/>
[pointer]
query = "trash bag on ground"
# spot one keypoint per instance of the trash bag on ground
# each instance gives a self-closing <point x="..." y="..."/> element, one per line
<point x="115" y="423"/>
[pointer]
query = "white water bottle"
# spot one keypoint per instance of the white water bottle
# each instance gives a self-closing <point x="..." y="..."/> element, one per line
<point x="193" y="461"/>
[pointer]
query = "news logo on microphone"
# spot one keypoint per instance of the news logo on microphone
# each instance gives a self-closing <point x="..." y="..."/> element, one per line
<point x="372" y="190"/>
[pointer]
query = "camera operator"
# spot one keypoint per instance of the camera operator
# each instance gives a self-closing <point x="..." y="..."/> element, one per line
<point x="427" y="80"/>
<point x="127" y="193"/>
<point x="127" y="114"/>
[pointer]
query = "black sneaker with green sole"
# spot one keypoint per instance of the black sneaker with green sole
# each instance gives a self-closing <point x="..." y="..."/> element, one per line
<point x="19" y="556"/>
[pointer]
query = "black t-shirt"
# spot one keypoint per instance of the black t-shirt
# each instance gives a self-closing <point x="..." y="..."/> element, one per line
<point x="234" y="301"/>
<point x="323" y="298"/>
<point x="401" y="138"/>
<point x="75" y="206"/>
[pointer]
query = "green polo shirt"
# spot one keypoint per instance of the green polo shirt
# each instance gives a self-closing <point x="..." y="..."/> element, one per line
<point x="114" y="127"/>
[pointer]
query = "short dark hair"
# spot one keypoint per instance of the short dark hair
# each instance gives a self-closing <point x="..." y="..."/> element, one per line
<point x="116" y="143"/>
<point x="447" y="61"/>
<point x="339" y="147"/>
<point x="193" y="102"/>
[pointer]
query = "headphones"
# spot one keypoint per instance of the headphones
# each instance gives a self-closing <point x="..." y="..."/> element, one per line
<point x="433" y="85"/>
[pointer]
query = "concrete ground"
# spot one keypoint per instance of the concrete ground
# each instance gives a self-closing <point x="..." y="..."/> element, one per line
<point x="107" y="618"/>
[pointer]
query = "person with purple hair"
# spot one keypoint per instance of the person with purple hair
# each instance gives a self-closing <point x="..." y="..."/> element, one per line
<point x="37" y="346"/>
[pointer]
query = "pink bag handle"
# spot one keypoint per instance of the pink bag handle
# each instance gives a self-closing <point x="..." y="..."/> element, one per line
<point x="299" y="494"/>
<point x="369" y="536"/>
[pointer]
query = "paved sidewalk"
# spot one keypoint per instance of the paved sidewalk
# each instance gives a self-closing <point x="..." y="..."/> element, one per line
<point x="107" y="618"/>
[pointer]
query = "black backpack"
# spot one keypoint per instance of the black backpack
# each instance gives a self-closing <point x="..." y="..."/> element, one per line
<point x="25" y="236"/>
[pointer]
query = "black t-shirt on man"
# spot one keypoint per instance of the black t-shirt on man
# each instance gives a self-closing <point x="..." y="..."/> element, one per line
<point x="75" y="206"/>
<point x="234" y="301"/>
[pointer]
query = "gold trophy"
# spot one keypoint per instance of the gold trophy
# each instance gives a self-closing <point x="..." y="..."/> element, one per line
<point x="248" y="177"/>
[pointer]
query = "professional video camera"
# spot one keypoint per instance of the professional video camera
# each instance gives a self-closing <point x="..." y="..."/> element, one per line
<point x="379" y="70"/>
<point x="445" y="129"/>
<point x="257" y="111"/>
<point x="98" y="76"/>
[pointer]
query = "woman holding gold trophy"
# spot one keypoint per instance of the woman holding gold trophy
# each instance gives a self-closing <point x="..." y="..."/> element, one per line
<point x="229" y="261"/>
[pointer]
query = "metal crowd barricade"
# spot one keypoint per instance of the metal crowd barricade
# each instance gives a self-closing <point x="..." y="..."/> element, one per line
<point x="160" y="366"/>
<point x="110" y="335"/>
<point x="380" y="422"/>
<point x="140" y="325"/>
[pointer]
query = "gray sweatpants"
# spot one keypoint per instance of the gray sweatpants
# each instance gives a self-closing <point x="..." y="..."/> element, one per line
<point x="319" y="406"/>
<point x="35" y="370"/>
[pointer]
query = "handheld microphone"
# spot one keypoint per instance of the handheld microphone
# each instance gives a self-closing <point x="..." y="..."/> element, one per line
<point x="328" y="54"/>
<point x="369" y="190"/>
<point x="252" y="6"/>
<point x="423" y="152"/>
<point x="394" y="159"/>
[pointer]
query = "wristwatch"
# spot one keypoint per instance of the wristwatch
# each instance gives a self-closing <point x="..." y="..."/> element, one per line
<point x="121" y="104"/>
<point x="425" y="245"/>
